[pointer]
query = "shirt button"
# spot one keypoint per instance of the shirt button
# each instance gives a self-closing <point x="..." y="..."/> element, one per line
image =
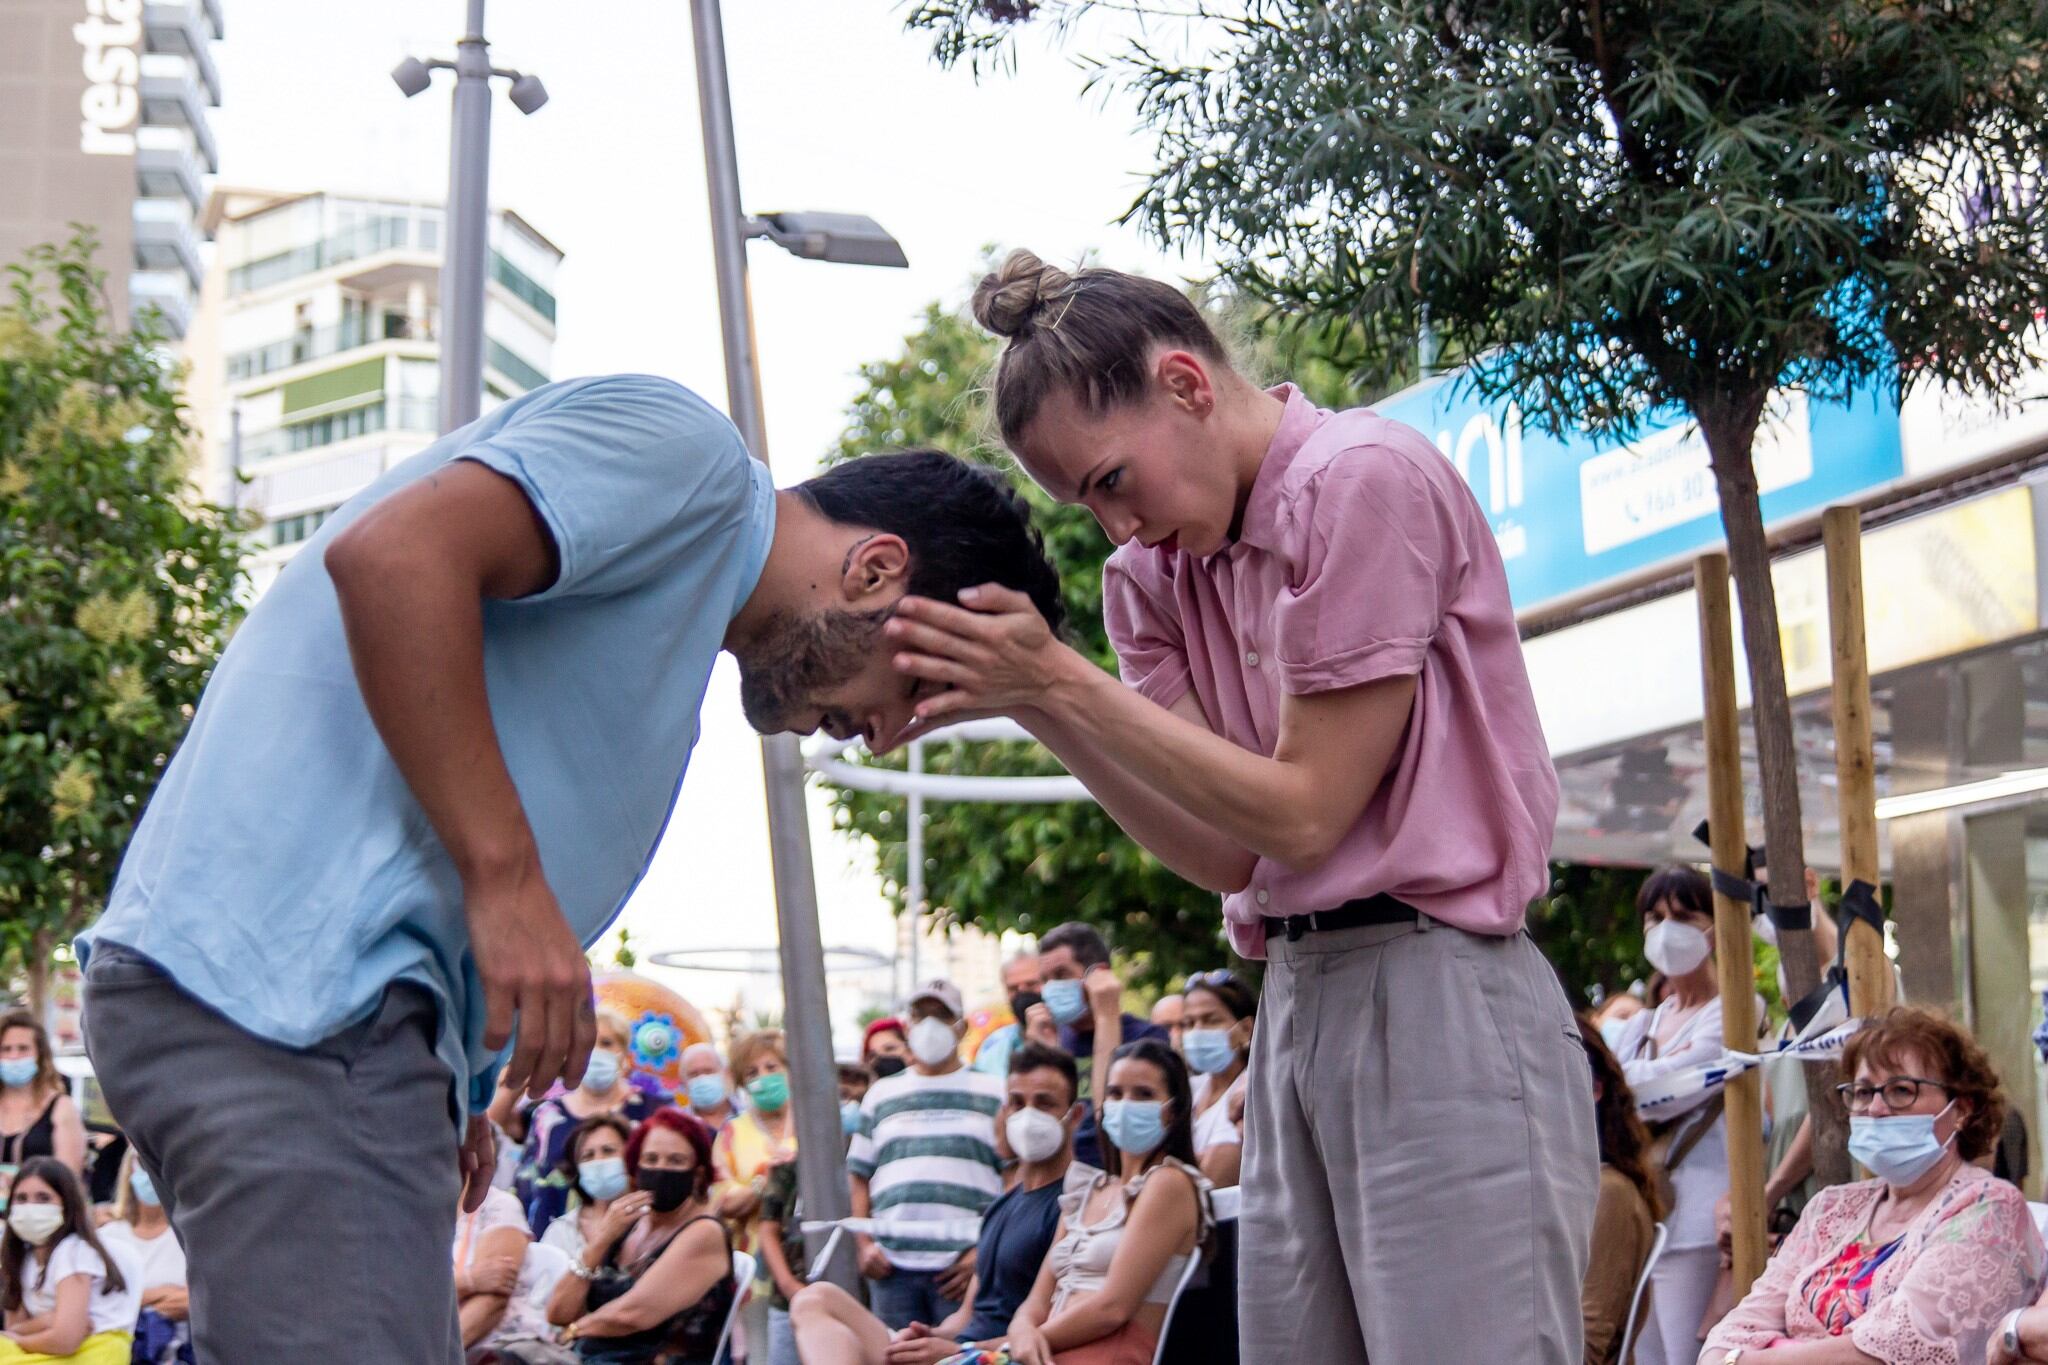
<point x="1263" y="897"/>
<point x="1251" y="658"/>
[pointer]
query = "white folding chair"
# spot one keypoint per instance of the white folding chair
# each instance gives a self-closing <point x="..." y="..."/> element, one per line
<point x="743" y="1277"/>
<point x="1227" y="1203"/>
<point x="1187" y="1276"/>
<point x="1635" y="1302"/>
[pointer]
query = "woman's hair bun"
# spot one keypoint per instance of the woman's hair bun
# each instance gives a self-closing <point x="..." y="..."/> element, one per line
<point x="1010" y="300"/>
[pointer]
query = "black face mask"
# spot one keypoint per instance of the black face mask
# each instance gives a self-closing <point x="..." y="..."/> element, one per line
<point x="1021" y="1003"/>
<point x="671" y="1189"/>
<point x="888" y="1066"/>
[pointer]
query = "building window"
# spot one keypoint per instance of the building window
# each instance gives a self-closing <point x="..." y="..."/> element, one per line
<point x="522" y="286"/>
<point x="293" y="529"/>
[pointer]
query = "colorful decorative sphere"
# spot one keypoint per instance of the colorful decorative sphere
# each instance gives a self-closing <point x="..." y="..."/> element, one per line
<point x="659" y="1024"/>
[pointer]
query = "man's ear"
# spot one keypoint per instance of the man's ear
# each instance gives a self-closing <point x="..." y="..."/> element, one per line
<point x="877" y="572"/>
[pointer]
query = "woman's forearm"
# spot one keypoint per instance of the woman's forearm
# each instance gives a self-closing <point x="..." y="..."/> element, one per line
<point x="1088" y="1318"/>
<point x="1192" y="849"/>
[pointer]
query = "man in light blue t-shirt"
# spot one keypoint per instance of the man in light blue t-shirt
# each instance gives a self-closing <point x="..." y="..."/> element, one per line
<point x="427" y="772"/>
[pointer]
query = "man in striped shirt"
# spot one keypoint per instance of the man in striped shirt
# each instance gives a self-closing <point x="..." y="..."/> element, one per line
<point x="924" y="1160"/>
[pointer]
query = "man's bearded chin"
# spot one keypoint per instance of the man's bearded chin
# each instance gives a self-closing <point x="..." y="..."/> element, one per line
<point x="797" y="658"/>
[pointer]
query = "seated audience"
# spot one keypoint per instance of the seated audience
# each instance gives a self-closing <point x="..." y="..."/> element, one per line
<point x="1625" y="1219"/>
<point x="1085" y="999"/>
<point x="704" y="1087"/>
<point x="610" y="1086"/>
<point x="758" y="1139"/>
<point x="1037" y="1124"/>
<point x="595" y="1169"/>
<point x="1921" y="1263"/>
<point x="67" y="1295"/>
<point x="1126" y="1236"/>
<point x="141" y="1236"/>
<point x="1215" y="1039"/>
<point x="37" y="1115"/>
<point x="924" y="1158"/>
<point x="885" y="1048"/>
<point x="490" y="1252"/>
<point x="655" y="1284"/>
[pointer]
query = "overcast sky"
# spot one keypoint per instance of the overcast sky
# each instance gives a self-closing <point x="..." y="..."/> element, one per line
<point x="836" y="108"/>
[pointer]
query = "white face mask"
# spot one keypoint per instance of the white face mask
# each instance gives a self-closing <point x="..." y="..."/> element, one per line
<point x="932" y="1041"/>
<point x="1034" y="1134"/>
<point x="35" y="1223"/>
<point x="1674" y="948"/>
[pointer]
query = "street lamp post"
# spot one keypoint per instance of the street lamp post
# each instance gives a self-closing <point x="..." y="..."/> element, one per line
<point x="850" y="239"/>
<point x="465" y="242"/>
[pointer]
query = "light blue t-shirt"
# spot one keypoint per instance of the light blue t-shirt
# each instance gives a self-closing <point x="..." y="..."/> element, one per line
<point x="283" y="872"/>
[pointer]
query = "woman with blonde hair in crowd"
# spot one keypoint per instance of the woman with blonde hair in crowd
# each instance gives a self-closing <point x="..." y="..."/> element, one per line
<point x="758" y="1138"/>
<point x="141" y="1230"/>
<point x="1924" y="1263"/>
<point x="37" y="1116"/>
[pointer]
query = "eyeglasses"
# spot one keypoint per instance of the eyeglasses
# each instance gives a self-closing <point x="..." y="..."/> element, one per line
<point x="1900" y="1093"/>
<point x="1222" y="976"/>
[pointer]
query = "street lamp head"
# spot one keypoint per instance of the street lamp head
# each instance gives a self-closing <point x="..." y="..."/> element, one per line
<point x="528" y="94"/>
<point x="844" y="238"/>
<point x="412" y="76"/>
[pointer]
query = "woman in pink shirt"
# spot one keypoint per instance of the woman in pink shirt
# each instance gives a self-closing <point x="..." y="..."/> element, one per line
<point x="1325" y="717"/>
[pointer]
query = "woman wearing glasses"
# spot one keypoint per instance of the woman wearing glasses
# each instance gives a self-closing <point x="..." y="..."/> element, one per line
<point x="1922" y="1265"/>
<point x="1216" y="1042"/>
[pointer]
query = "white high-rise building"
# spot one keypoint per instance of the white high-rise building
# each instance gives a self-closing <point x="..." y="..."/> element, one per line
<point x="321" y="367"/>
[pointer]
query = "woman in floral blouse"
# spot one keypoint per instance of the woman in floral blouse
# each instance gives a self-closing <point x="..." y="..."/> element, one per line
<point x="1920" y="1265"/>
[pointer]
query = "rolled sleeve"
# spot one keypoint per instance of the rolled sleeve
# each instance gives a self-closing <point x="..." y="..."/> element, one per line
<point x="625" y="472"/>
<point x="1385" y="557"/>
<point x="1145" y="630"/>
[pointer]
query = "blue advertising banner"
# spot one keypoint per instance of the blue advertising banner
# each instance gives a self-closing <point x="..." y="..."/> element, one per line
<point x="1573" y="513"/>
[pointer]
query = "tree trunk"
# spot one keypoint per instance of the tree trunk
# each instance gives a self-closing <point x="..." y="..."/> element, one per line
<point x="1730" y="430"/>
<point x="36" y="966"/>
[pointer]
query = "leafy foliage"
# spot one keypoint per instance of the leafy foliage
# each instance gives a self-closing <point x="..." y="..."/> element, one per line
<point x="117" y="592"/>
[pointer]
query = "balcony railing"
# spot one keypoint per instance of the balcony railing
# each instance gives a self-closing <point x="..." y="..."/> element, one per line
<point x="376" y="234"/>
<point x="511" y="366"/>
<point x="407" y="414"/>
<point x="320" y="342"/>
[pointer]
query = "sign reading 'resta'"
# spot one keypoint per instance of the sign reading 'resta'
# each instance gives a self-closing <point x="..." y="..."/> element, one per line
<point x="1571" y="514"/>
<point x="109" y="39"/>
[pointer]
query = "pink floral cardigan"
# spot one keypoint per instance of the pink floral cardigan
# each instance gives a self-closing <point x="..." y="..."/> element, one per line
<point x="1971" y="1257"/>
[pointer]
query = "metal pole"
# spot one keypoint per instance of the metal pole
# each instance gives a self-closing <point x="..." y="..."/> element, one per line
<point x="1734" y="956"/>
<point x="462" y="262"/>
<point x="821" y="1162"/>
<point x="914" y="884"/>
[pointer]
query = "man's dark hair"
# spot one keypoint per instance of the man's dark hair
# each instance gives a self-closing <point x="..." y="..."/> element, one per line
<point x="1034" y="1056"/>
<point x="1084" y="941"/>
<point x="963" y="523"/>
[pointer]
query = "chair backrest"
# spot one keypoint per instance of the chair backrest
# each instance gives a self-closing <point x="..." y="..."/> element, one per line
<point x="1226" y="1202"/>
<point x="2040" y="1212"/>
<point x="743" y="1267"/>
<point x="1635" y="1302"/>
<point x="1180" y="1291"/>
<point x="542" y="1266"/>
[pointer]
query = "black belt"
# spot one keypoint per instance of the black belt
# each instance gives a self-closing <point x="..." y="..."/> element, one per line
<point x="1380" y="909"/>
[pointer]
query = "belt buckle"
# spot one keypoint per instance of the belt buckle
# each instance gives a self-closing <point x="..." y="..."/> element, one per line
<point x="1297" y="926"/>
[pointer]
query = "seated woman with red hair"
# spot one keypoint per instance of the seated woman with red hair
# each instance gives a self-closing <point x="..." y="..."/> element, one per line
<point x="655" y="1279"/>
<point x="1920" y="1265"/>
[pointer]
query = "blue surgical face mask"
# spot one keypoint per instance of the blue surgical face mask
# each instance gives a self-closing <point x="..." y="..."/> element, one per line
<point x="1067" y="1000"/>
<point x="1207" y="1050"/>
<point x="1898" y="1148"/>
<point x="1611" y="1031"/>
<point x="602" y="1178"/>
<point x="18" y="1071"/>
<point x="1135" y="1126"/>
<point x="603" y="1071"/>
<point x="144" y="1187"/>
<point x="706" y="1092"/>
<point x="849" y="1117"/>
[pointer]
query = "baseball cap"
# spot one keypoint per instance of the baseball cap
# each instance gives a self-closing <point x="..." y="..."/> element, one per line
<point x="941" y="990"/>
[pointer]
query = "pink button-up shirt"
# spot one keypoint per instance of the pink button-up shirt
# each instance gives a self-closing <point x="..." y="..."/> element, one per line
<point x="1363" y="555"/>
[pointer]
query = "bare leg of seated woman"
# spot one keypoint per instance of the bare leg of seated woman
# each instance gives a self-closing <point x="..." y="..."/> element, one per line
<point x="833" y="1329"/>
